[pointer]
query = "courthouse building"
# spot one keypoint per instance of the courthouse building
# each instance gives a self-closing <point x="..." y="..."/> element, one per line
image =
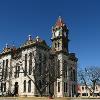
<point x="34" y="68"/>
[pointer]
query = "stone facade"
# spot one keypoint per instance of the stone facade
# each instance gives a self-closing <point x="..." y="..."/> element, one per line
<point x="35" y="67"/>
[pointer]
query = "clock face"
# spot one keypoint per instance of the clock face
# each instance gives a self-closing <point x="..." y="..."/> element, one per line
<point x="57" y="33"/>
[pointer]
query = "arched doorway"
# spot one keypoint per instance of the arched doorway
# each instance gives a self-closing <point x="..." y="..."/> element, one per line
<point x="16" y="89"/>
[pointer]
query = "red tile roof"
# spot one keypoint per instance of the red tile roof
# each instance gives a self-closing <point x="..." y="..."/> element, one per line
<point x="59" y="22"/>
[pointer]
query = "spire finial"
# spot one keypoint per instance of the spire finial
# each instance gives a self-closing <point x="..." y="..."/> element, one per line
<point x="6" y="45"/>
<point x="37" y="38"/>
<point x="60" y="18"/>
<point x="13" y="44"/>
<point x="29" y="37"/>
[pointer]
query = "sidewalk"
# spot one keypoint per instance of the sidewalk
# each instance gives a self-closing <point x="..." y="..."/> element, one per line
<point x="31" y="98"/>
<point x="45" y="98"/>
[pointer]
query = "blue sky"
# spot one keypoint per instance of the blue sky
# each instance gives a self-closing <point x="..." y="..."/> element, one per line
<point x="18" y="18"/>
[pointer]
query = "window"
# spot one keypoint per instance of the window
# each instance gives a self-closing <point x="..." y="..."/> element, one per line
<point x="65" y="69"/>
<point x="4" y="87"/>
<point x="1" y="87"/>
<point x="25" y="73"/>
<point x="74" y="89"/>
<point x="24" y="85"/>
<point x="58" y="68"/>
<point x="3" y="69"/>
<point x="6" y="69"/>
<point x="71" y="74"/>
<point x="96" y="88"/>
<point x="30" y="63"/>
<point x="65" y="87"/>
<point x="58" y="86"/>
<point x="82" y="88"/>
<point x="17" y="71"/>
<point x="29" y="86"/>
<point x="74" y="76"/>
<point x="40" y="64"/>
<point x="3" y="63"/>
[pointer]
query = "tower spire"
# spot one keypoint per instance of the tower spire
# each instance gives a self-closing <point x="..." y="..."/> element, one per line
<point x="60" y="36"/>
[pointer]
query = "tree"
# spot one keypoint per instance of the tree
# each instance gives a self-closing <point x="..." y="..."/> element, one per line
<point x="90" y="77"/>
<point x="43" y="77"/>
<point x="5" y="76"/>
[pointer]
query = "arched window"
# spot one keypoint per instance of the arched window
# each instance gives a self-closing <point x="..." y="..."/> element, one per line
<point x="82" y="88"/>
<point x="58" y="86"/>
<point x="65" y="69"/>
<point x="4" y="87"/>
<point x="3" y="69"/>
<point x="6" y="69"/>
<point x="40" y="64"/>
<point x="25" y="73"/>
<point x="17" y="70"/>
<point x="58" y="67"/>
<point x="24" y="86"/>
<point x="74" y="75"/>
<point x="29" y="86"/>
<point x="30" y="63"/>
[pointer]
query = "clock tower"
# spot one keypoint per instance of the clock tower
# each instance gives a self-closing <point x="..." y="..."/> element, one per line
<point x="60" y="36"/>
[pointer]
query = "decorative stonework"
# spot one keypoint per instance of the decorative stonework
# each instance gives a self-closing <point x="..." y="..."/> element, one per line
<point x="6" y="49"/>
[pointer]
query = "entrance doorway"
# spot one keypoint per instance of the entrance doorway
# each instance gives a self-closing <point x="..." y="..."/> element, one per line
<point x="16" y="89"/>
